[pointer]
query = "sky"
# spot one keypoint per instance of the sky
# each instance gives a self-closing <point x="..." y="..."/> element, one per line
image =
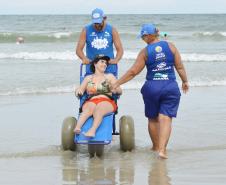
<point x="112" y="6"/>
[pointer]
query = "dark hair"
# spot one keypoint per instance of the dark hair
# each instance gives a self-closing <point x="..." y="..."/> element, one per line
<point x="96" y="59"/>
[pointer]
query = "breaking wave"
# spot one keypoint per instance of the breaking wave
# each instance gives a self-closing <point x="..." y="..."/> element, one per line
<point x="128" y="55"/>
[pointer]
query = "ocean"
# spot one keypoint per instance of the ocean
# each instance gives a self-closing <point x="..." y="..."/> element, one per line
<point x="48" y="53"/>
<point x="38" y="78"/>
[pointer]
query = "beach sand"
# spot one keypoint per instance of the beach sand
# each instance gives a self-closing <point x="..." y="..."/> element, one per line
<point x="30" y="151"/>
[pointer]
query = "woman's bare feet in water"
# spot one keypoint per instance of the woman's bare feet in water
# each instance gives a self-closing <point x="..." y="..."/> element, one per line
<point x="163" y="155"/>
<point x="90" y="133"/>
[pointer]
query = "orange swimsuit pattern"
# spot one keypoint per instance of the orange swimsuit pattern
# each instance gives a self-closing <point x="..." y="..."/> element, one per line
<point x="97" y="100"/>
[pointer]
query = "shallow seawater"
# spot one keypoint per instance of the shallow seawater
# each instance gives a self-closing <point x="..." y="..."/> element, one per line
<point x="30" y="150"/>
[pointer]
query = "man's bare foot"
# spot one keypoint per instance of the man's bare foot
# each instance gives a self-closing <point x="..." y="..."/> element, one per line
<point x="163" y="155"/>
<point x="77" y="130"/>
<point x="90" y="133"/>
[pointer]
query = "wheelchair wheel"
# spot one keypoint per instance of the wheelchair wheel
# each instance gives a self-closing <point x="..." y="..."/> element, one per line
<point x="67" y="134"/>
<point x="96" y="149"/>
<point x="126" y="131"/>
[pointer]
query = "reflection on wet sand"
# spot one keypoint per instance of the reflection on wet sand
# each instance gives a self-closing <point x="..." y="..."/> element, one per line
<point x="90" y="171"/>
<point x="98" y="171"/>
<point x="69" y="171"/>
<point x="114" y="167"/>
<point x="158" y="174"/>
<point x="126" y="171"/>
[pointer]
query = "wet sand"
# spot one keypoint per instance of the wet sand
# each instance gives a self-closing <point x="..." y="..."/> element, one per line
<point x="30" y="151"/>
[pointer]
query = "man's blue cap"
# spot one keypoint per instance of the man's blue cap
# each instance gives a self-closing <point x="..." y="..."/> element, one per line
<point x="147" y="29"/>
<point x="97" y="16"/>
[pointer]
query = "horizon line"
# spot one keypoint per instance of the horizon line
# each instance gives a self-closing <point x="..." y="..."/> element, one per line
<point x="120" y="14"/>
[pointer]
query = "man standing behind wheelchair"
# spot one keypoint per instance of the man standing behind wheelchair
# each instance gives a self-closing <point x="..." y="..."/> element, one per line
<point x="99" y="38"/>
<point x="99" y="101"/>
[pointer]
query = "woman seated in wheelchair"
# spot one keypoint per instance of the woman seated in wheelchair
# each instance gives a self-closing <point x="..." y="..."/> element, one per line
<point x="99" y="101"/>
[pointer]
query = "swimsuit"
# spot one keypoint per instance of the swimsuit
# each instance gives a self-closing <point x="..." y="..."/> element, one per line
<point x="98" y="100"/>
<point x="102" y="88"/>
<point x="95" y="90"/>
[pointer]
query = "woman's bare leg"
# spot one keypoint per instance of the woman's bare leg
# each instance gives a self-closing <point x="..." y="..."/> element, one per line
<point x="100" y="111"/>
<point x="165" y="127"/>
<point x="87" y="111"/>
<point x="153" y="129"/>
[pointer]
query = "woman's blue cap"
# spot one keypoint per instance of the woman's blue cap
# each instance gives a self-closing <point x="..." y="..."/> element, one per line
<point x="147" y="29"/>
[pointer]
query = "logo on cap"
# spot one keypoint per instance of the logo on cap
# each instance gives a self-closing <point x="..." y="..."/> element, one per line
<point x="96" y="15"/>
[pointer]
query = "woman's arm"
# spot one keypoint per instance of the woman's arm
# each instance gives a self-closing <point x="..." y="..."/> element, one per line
<point x="82" y="88"/>
<point x="137" y="67"/>
<point x="180" y="68"/>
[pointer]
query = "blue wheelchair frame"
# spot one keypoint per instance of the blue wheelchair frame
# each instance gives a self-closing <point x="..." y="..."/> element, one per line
<point x="105" y="130"/>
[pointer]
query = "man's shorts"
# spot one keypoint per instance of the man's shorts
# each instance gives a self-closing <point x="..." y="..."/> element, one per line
<point x="161" y="97"/>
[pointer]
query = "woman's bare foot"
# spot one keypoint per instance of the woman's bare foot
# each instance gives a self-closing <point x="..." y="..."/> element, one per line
<point x="90" y="133"/>
<point x="163" y="155"/>
<point x="155" y="149"/>
<point x="77" y="130"/>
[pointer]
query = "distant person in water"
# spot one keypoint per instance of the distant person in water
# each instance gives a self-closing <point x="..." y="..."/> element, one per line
<point x="164" y="35"/>
<point x="100" y="101"/>
<point x="19" y="40"/>
<point x="160" y="91"/>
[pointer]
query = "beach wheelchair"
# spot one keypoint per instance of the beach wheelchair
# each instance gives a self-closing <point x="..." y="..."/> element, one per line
<point x="107" y="128"/>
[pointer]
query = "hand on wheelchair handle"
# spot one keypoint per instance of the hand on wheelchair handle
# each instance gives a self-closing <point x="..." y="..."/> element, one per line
<point x="85" y="61"/>
<point x="113" y="61"/>
<point x="78" y="93"/>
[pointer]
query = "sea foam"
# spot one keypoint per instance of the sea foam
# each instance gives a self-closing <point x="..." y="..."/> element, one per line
<point x="128" y="55"/>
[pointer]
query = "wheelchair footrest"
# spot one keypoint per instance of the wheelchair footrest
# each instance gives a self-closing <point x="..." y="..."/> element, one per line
<point x="103" y="133"/>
